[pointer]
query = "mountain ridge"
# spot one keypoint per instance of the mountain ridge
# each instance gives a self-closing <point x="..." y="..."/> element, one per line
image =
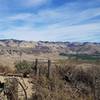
<point x="50" y="47"/>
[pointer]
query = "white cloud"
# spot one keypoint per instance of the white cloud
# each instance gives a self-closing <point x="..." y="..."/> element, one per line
<point x="22" y="16"/>
<point x="71" y="33"/>
<point x="89" y="13"/>
<point x="61" y="15"/>
<point x="62" y="23"/>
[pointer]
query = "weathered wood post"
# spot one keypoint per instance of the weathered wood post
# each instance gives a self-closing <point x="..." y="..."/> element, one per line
<point x="49" y="69"/>
<point x="39" y="71"/>
<point x="36" y="67"/>
<point x="20" y="54"/>
<point x="96" y="83"/>
<point x="93" y="89"/>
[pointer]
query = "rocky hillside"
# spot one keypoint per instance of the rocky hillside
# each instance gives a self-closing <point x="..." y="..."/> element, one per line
<point x="30" y="47"/>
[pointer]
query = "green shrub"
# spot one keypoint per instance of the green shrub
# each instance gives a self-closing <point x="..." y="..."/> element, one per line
<point x="23" y="67"/>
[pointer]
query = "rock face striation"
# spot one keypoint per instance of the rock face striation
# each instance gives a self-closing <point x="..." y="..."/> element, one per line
<point x="11" y="46"/>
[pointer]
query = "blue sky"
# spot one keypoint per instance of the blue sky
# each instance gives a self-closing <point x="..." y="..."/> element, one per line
<point x="51" y="20"/>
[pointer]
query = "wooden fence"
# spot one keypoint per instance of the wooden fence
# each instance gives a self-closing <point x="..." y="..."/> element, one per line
<point x="48" y="62"/>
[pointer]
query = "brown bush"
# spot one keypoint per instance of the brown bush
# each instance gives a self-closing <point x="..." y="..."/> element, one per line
<point x="5" y="69"/>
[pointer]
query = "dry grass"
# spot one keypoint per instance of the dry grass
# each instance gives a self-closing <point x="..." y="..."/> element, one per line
<point x="70" y="80"/>
<point x="5" y="69"/>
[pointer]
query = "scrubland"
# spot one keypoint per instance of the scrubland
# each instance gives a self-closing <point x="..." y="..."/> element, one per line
<point x="69" y="80"/>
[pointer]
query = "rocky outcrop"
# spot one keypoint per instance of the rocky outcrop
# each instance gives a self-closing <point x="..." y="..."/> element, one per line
<point x="30" y="47"/>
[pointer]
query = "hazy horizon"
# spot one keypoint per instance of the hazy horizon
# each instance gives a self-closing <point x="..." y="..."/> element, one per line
<point x="4" y="39"/>
<point x="50" y="20"/>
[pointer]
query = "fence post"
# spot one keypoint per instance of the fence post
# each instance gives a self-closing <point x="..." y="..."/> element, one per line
<point x="36" y="67"/>
<point x="49" y="69"/>
<point x="94" y="83"/>
<point x="97" y="84"/>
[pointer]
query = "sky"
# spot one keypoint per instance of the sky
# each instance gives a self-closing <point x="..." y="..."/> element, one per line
<point x="50" y="20"/>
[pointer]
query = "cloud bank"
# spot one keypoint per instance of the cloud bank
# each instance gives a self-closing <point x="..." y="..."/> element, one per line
<point x="50" y="20"/>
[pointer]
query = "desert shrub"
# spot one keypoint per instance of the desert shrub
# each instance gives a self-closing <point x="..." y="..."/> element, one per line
<point x="55" y="89"/>
<point x="23" y="67"/>
<point x="49" y="89"/>
<point x="70" y="82"/>
<point x="65" y="72"/>
<point x="43" y="69"/>
<point x="77" y="78"/>
<point x="80" y="75"/>
<point x="5" y="69"/>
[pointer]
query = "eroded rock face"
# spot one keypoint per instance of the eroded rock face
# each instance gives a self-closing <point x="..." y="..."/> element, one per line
<point x="17" y="43"/>
<point x="30" y="47"/>
<point x="26" y="44"/>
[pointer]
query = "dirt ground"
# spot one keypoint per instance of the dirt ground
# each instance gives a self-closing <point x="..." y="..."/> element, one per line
<point x="24" y="81"/>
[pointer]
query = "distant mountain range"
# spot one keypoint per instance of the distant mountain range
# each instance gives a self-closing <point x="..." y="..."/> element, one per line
<point x="11" y="46"/>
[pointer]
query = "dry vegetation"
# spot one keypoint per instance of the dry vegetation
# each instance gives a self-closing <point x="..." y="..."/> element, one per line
<point x="70" y="80"/>
<point x="5" y="69"/>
